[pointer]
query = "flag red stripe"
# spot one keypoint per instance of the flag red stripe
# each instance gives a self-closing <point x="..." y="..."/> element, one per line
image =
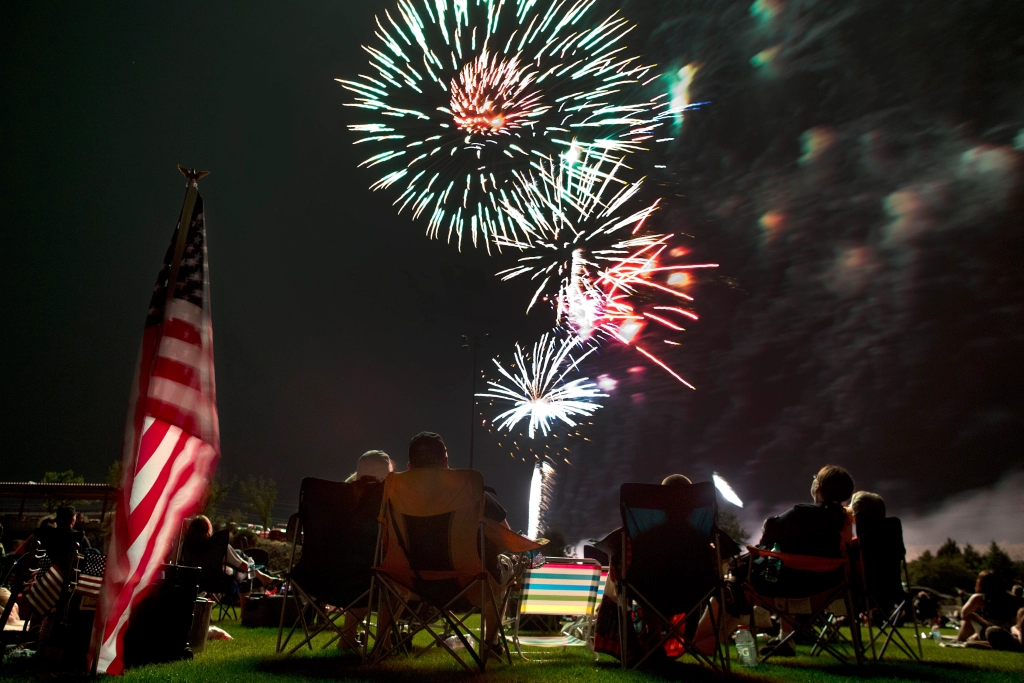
<point x="139" y="582"/>
<point x="168" y="412"/>
<point x="177" y="372"/>
<point x="139" y="517"/>
<point x="151" y="439"/>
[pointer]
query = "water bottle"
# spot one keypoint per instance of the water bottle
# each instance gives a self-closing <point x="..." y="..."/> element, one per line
<point x="774" y="566"/>
<point x="746" y="647"/>
<point x="936" y="634"/>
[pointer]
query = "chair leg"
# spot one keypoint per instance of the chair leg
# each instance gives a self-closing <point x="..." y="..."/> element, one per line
<point x="624" y="625"/>
<point x="851" y="615"/>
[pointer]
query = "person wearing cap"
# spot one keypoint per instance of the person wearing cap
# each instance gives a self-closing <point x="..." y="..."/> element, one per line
<point x="371" y="468"/>
<point x="374" y="464"/>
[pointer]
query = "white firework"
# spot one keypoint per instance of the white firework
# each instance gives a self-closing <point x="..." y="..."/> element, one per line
<point x="540" y="497"/>
<point x="723" y="487"/>
<point x="538" y="390"/>
<point x="464" y="95"/>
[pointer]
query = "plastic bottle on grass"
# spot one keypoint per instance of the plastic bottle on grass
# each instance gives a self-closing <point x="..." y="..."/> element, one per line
<point x="936" y="634"/>
<point x="746" y="647"/>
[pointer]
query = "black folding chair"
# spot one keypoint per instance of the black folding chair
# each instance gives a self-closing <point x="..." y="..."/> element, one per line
<point x="670" y="565"/>
<point x="338" y="527"/>
<point x="882" y="570"/>
<point x="218" y="586"/>
<point x="55" y="629"/>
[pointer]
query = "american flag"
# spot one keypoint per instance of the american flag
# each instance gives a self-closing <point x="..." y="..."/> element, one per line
<point x="43" y="594"/>
<point x="172" y="442"/>
<point x="91" y="577"/>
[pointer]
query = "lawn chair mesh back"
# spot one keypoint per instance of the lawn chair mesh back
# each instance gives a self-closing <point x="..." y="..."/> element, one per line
<point x="671" y="565"/>
<point x="339" y="525"/>
<point x="432" y="529"/>
<point x="339" y="528"/>
<point x="209" y="557"/>
<point x="563" y="587"/>
<point x="883" y="572"/>
<point x="882" y="553"/>
<point x="669" y="531"/>
<point x="601" y="584"/>
<point x="431" y="533"/>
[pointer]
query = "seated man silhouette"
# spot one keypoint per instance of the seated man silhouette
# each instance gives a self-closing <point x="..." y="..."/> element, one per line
<point x="820" y="529"/>
<point x="428" y="450"/>
<point x="607" y="629"/>
<point x="371" y="468"/>
<point x="60" y="540"/>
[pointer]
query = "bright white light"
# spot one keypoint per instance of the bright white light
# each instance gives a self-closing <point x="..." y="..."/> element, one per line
<point x="629" y="329"/>
<point x="606" y="383"/>
<point x="573" y="155"/>
<point x="540" y="489"/>
<point x="723" y="487"/>
<point x="539" y="391"/>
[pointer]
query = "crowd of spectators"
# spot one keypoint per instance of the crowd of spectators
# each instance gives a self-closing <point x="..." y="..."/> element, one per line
<point x="993" y="616"/>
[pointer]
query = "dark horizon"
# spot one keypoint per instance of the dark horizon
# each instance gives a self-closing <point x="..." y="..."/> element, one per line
<point x="864" y="209"/>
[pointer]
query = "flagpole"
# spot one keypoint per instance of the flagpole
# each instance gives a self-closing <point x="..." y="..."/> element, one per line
<point x="191" y="192"/>
<point x="184" y="222"/>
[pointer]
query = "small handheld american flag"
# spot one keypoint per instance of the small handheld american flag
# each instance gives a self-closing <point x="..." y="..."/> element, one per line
<point x="44" y="592"/>
<point x="172" y="441"/>
<point x="91" y="577"/>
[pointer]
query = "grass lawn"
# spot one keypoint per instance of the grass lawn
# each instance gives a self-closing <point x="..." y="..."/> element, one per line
<point x="250" y="658"/>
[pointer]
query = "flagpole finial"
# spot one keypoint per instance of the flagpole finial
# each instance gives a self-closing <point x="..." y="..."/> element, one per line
<point x="192" y="175"/>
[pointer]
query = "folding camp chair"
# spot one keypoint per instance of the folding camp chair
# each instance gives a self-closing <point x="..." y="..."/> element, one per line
<point x="670" y="565"/>
<point x="63" y="575"/>
<point x="883" y="578"/>
<point x="218" y="586"/>
<point x="339" y="528"/>
<point x="561" y="587"/>
<point x="431" y="552"/>
<point x="802" y="611"/>
<point x="590" y="623"/>
<point x="22" y="576"/>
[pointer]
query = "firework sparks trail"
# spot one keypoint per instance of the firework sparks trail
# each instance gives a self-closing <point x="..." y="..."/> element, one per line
<point x="572" y="211"/>
<point x="539" y="390"/>
<point x="540" y="498"/>
<point x="723" y="487"/>
<point x="464" y="97"/>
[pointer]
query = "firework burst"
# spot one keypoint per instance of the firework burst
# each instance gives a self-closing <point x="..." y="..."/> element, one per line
<point x="538" y="389"/>
<point x="594" y="261"/>
<point x="464" y="93"/>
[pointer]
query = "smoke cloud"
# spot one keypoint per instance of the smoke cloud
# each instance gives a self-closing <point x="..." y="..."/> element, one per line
<point x="865" y="211"/>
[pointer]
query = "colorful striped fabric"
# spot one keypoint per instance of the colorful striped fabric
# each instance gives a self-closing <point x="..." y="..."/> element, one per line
<point x="601" y="583"/>
<point x="561" y="588"/>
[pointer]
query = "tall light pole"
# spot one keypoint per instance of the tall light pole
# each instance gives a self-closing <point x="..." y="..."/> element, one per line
<point x="474" y="345"/>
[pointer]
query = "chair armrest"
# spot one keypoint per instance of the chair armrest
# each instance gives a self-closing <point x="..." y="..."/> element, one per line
<point x="807" y="563"/>
<point x="507" y="540"/>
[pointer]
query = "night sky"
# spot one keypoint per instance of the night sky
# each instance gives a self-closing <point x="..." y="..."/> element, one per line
<point x="860" y="183"/>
